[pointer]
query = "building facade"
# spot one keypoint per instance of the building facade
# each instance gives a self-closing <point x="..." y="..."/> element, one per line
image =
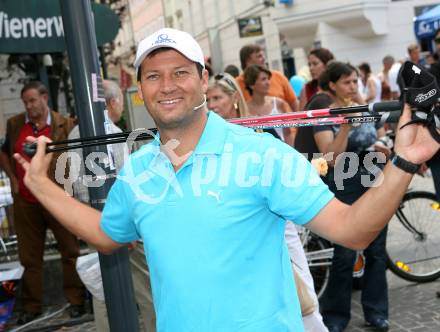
<point x="355" y="30"/>
<point x="141" y="18"/>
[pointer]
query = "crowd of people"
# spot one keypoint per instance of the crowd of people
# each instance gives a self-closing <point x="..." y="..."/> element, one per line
<point x="224" y="255"/>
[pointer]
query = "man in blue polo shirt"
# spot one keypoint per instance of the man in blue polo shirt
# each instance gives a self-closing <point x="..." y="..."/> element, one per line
<point x="214" y="238"/>
<point x="210" y="201"/>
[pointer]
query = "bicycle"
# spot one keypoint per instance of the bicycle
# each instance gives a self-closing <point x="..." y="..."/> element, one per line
<point x="413" y="236"/>
<point x="413" y="240"/>
<point x="412" y="244"/>
<point x="319" y="254"/>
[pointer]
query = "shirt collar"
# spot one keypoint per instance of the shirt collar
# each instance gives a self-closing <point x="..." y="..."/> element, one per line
<point x="212" y="139"/>
<point x="48" y="120"/>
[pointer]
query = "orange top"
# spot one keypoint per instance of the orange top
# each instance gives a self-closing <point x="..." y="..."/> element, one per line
<point x="279" y="87"/>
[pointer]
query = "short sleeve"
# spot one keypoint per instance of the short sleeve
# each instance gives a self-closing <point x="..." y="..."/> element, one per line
<point x="117" y="221"/>
<point x="289" y="184"/>
<point x="317" y="129"/>
<point x="319" y="101"/>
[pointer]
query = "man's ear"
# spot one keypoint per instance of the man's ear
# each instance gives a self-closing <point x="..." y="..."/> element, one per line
<point x="139" y="90"/>
<point x="205" y="80"/>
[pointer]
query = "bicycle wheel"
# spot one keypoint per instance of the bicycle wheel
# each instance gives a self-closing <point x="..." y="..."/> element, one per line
<point x="413" y="239"/>
<point x="319" y="257"/>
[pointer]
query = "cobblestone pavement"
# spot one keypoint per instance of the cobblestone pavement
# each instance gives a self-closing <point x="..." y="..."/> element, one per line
<point x="413" y="308"/>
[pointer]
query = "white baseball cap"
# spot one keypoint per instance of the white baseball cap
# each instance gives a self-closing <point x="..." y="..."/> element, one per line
<point x="181" y="41"/>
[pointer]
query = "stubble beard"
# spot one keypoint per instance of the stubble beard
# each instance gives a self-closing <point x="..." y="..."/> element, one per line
<point x="181" y="121"/>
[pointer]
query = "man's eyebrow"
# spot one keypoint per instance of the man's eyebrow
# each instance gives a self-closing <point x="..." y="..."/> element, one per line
<point x="175" y="68"/>
<point x="182" y="66"/>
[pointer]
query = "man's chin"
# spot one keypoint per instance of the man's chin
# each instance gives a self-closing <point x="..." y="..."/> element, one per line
<point x="172" y="121"/>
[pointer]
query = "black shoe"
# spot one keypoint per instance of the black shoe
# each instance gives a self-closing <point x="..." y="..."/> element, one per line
<point x="25" y="317"/>
<point x="334" y="328"/>
<point x="76" y="310"/>
<point x="378" y="324"/>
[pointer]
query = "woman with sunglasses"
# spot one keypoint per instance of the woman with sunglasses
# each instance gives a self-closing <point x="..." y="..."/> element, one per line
<point x="257" y="81"/>
<point x="225" y="98"/>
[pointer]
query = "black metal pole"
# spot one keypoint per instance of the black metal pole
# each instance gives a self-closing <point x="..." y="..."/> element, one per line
<point x="44" y="78"/>
<point x="103" y="63"/>
<point x="87" y="87"/>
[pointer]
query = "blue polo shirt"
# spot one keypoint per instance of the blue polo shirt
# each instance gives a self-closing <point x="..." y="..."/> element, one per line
<point x="214" y="230"/>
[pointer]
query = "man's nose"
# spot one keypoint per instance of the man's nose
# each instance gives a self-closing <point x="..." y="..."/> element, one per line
<point x="168" y="84"/>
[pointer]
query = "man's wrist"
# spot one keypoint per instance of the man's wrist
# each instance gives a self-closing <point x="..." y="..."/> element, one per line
<point x="404" y="164"/>
<point x="37" y="184"/>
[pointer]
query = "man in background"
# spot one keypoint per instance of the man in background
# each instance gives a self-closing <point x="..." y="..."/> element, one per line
<point x="414" y="55"/>
<point x="31" y="218"/>
<point x="279" y="85"/>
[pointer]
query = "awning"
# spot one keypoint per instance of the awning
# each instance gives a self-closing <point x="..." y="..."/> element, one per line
<point x="36" y="26"/>
<point x="427" y="23"/>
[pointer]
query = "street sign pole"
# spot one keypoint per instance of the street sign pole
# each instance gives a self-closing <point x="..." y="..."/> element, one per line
<point x="44" y="78"/>
<point x="90" y="104"/>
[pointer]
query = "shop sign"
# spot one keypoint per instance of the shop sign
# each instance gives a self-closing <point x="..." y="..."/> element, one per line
<point x="250" y="27"/>
<point x="36" y="26"/>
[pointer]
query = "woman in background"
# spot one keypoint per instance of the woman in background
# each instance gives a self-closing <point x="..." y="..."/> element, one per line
<point x="318" y="59"/>
<point x="370" y="87"/>
<point x="342" y="82"/>
<point x="257" y="81"/>
<point x="224" y="97"/>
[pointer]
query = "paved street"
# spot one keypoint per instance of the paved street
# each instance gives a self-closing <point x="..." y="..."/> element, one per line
<point x="413" y="308"/>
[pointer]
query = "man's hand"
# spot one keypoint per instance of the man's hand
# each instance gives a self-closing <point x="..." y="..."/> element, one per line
<point x="422" y="170"/>
<point x="414" y="142"/>
<point x="382" y="148"/>
<point x="36" y="170"/>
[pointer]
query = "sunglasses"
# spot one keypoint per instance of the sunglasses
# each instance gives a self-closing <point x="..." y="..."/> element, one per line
<point x="223" y="77"/>
<point x="437" y="40"/>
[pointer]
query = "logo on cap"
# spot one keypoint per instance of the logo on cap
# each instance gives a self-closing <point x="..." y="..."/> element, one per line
<point x="163" y="38"/>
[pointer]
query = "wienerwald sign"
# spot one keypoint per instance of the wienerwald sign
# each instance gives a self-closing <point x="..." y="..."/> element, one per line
<point x="36" y="26"/>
